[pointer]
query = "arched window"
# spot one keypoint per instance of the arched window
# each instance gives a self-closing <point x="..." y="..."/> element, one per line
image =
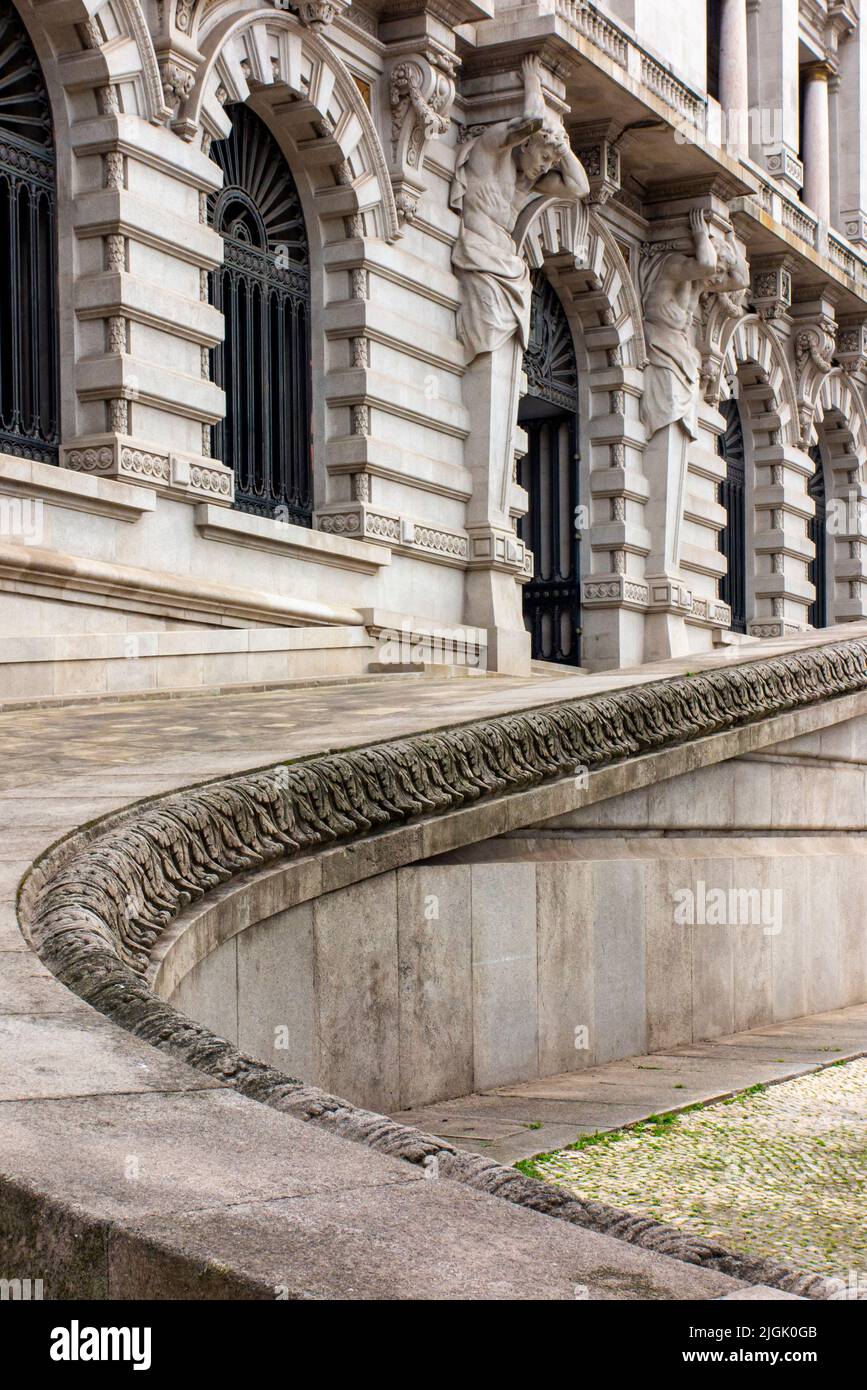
<point x="732" y="496"/>
<point x="817" y="530"/>
<point x="28" y="265"/>
<point x="549" y="472"/>
<point x="263" y="290"/>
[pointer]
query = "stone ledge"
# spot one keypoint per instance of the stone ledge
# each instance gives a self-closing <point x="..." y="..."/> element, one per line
<point x="297" y="542"/>
<point x="76" y="491"/>
<point x="52" y="569"/>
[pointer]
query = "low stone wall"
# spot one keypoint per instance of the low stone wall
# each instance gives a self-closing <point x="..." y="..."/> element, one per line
<point x="637" y="924"/>
<point x="436" y="980"/>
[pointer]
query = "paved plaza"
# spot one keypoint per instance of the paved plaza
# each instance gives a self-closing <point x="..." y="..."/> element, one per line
<point x="777" y="1171"/>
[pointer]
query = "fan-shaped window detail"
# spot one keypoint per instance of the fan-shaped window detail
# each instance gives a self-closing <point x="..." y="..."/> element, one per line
<point x="732" y="496"/>
<point x="28" y="307"/>
<point x="817" y="530"/>
<point x="263" y="291"/>
<point x="549" y="472"/>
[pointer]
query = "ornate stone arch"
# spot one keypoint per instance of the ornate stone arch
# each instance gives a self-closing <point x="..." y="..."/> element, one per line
<point x="313" y="97"/>
<point x="580" y="255"/>
<point x="752" y="353"/>
<point x="841" y="413"/>
<point x="98" y="59"/>
<point x="841" y="430"/>
<point x="756" y="369"/>
<point x="104" y="53"/>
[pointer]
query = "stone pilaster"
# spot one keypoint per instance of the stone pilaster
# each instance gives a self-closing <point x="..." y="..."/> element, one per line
<point x="143" y="407"/>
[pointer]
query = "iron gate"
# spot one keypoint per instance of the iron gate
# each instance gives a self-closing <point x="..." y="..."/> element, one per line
<point x="817" y="530"/>
<point x="549" y="472"/>
<point x="732" y="496"/>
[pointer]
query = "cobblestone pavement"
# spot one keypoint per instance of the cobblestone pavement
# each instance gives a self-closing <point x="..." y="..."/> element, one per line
<point x="781" y="1171"/>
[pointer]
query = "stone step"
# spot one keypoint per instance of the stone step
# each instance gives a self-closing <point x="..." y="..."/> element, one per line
<point x="119" y="663"/>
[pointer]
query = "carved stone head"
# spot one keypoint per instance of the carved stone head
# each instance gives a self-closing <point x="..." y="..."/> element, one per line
<point x="538" y="155"/>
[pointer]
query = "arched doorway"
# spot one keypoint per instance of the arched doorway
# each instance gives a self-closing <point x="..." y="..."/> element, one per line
<point x="817" y="530"/>
<point x="732" y="496"/>
<point x="263" y="291"/>
<point x="28" y="305"/>
<point x="549" y="472"/>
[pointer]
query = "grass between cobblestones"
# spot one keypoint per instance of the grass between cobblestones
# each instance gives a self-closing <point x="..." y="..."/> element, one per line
<point x="775" y="1170"/>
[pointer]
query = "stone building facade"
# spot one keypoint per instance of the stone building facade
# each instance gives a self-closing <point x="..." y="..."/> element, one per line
<point x="540" y="328"/>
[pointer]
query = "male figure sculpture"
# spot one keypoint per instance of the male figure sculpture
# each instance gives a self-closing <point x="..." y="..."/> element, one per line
<point x="672" y="284"/>
<point x="498" y="173"/>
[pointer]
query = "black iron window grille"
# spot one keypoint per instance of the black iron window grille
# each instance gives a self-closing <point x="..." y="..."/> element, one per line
<point x="817" y="530"/>
<point x="732" y="496"/>
<point x="28" y="309"/>
<point x="263" y="291"/>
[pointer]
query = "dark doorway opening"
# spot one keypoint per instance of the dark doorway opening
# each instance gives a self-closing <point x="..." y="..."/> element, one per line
<point x="549" y="472"/>
<point x="732" y="496"/>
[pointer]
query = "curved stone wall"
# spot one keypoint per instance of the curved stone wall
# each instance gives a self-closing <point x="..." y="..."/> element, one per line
<point x="98" y="904"/>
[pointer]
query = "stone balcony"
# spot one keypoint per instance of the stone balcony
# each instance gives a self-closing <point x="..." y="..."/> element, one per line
<point x="675" y="140"/>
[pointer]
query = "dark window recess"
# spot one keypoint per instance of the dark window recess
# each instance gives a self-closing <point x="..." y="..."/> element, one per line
<point x="817" y="530"/>
<point x="263" y="291"/>
<point x="714" y="34"/>
<point x="732" y="496"/>
<point x="28" y="307"/>
<point x="549" y="472"/>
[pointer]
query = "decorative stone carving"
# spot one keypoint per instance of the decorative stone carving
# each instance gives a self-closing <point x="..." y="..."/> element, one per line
<point x="359" y="419"/>
<point x="852" y="345"/>
<point x="716" y="311"/>
<point x="95" y="912"/>
<point x="672" y="284"/>
<point x="318" y="14"/>
<point x="601" y="160"/>
<point x="814" y="346"/>
<point x="500" y="169"/>
<point x="117" y="334"/>
<point x="113" y="169"/>
<point x="178" y="81"/>
<point x="118" y="415"/>
<point x="421" y="91"/>
<point x="183" y="15"/>
<point x="115" y="251"/>
<point x="771" y="292"/>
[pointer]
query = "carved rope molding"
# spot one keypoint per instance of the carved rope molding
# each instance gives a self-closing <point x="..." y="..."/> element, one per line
<point x="95" y="905"/>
